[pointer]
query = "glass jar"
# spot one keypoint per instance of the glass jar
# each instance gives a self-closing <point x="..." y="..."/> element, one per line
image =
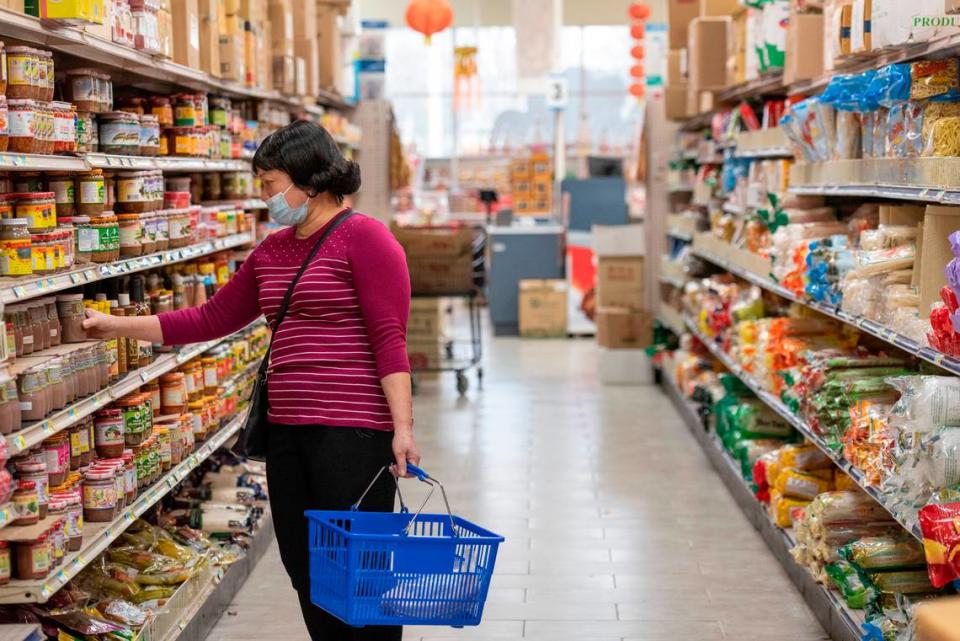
<point x="31" y="389"/>
<point x="179" y="141"/>
<point x="26" y="504"/>
<point x="83" y="89"/>
<point x="15" y="248"/>
<point x="21" y="116"/>
<point x="8" y="203"/>
<point x="71" y="313"/>
<point x="22" y="71"/>
<point x="99" y="495"/>
<point x="161" y="108"/>
<point x="5" y="563"/>
<point x="57" y="450"/>
<point x="53" y="319"/>
<point x="119" y="133"/>
<point x="181" y="233"/>
<point x="41" y="326"/>
<point x="39" y="209"/>
<point x="134" y="193"/>
<point x="149" y="221"/>
<point x="109" y="433"/>
<point x="173" y="393"/>
<point x="105" y="89"/>
<point x="184" y="111"/>
<point x="4" y="125"/>
<point x="149" y="136"/>
<point x="92" y="192"/>
<point x="9" y="404"/>
<point x="64" y="127"/>
<point x="131" y="235"/>
<point x="44" y="128"/>
<point x="87" y="134"/>
<point x="63" y="187"/>
<point x="84" y="238"/>
<point x="163" y="230"/>
<point x="45" y="75"/>
<point x="3" y="68"/>
<point x="106" y="230"/>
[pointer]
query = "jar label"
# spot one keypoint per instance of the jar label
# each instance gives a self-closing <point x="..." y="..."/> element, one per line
<point x="21" y="124"/>
<point x="210" y="377"/>
<point x="4" y="122"/>
<point x="88" y="239"/>
<point x="36" y="215"/>
<point x="132" y="190"/>
<point x="74" y="522"/>
<point x="5" y="565"/>
<point x="41" y="559"/>
<point x="64" y="129"/>
<point x="183" y="145"/>
<point x="84" y="441"/>
<point x="149" y="137"/>
<point x="75" y="449"/>
<point x="120" y="134"/>
<point x="92" y="192"/>
<point x="185" y="115"/>
<point x="109" y="432"/>
<point x="19" y="68"/>
<point x="64" y="192"/>
<point x="172" y="396"/>
<point x="16" y="260"/>
<point x="131" y="234"/>
<point x="99" y="497"/>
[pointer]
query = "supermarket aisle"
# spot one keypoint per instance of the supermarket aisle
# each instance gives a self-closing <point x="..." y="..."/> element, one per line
<point x="617" y="526"/>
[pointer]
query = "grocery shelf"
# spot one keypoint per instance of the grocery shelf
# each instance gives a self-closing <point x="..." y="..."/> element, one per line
<point x="777" y="406"/>
<point x="39" y="162"/>
<point x="97" y="536"/>
<point x="18" y="289"/>
<point x="148" y="68"/>
<point x="35" y="433"/>
<point x="671" y="319"/>
<point x="673" y="281"/>
<point x="770" y="84"/>
<point x="901" y="342"/>
<point x="767" y="152"/>
<point x="894" y="192"/>
<point x="680" y="235"/>
<point x="245" y="203"/>
<point x="842" y="623"/>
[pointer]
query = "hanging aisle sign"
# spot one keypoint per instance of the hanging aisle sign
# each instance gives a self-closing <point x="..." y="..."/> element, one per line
<point x="655" y="62"/>
<point x="558" y="91"/>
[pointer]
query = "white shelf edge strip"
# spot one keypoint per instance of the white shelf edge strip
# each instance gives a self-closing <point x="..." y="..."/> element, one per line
<point x="945" y="361"/>
<point x="777" y="406"/>
<point x="31" y="287"/>
<point x="35" y="433"/>
<point x="42" y="590"/>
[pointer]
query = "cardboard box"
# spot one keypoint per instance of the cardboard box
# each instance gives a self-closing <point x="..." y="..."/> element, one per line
<point x="233" y="65"/>
<point x="264" y="61"/>
<point x="951" y="6"/>
<point x="938" y="223"/>
<point x="708" y="49"/>
<point x="186" y="33"/>
<point x="434" y="241"/>
<point x="675" y="102"/>
<point x="210" y="36"/>
<point x="280" y="16"/>
<point x="720" y="8"/>
<point x="253" y="11"/>
<point x="679" y="15"/>
<point x="621" y="282"/>
<point x="619" y="240"/>
<point x="624" y="367"/>
<point x="165" y="27"/>
<point x="310" y="52"/>
<point x="329" y="67"/>
<point x="543" y="308"/>
<point x="893" y="22"/>
<point x="804" y="59"/>
<point x="424" y="354"/>
<point x="861" y="32"/>
<point x="440" y="260"/>
<point x="676" y="67"/>
<point x="427" y="321"/>
<point x="737" y="62"/>
<point x="624" y="329"/>
<point x="304" y="19"/>
<point x="284" y="74"/>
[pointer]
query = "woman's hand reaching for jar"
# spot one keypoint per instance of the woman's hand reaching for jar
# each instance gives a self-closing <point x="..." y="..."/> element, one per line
<point x="104" y="327"/>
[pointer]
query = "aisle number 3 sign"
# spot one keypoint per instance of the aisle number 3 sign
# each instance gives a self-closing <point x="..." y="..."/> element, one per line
<point x="557" y="93"/>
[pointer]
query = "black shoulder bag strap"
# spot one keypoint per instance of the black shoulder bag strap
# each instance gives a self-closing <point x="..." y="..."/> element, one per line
<point x="252" y="439"/>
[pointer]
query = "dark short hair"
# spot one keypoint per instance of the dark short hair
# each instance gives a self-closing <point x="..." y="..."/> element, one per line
<point x="307" y="153"/>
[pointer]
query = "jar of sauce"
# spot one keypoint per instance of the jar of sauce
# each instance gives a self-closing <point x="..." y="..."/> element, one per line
<point x="9" y="404"/>
<point x="129" y="476"/>
<point x="22" y="72"/>
<point x="149" y="136"/>
<point x="74" y="521"/>
<point x="15" y="248"/>
<point x="133" y="194"/>
<point x="26" y="504"/>
<point x="163" y="230"/>
<point x="39" y="210"/>
<point x="184" y="111"/>
<point x="99" y="495"/>
<point x="149" y="220"/>
<point x="88" y="139"/>
<point x="92" y="192"/>
<point x="161" y="108"/>
<point x="106" y="229"/>
<point x="173" y="393"/>
<point x="5" y="564"/>
<point x="62" y="186"/>
<point x="33" y="559"/>
<point x="81" y="85"/>
<point x="119" y="133"/>
<point x="64" y="127"/>
<point x="32" y="392"/>
<point x="131" y="235"/>
<point x="109" y="433"/>
<point x="71" y="313"/>
<point x="4" y="125"/>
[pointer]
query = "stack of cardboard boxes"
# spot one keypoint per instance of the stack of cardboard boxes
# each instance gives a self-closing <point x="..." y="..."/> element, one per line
<point x="440" y="260"/>
<point x="543" y="308"/>
<point x="624" y="326"/>
<point x="531" y="182"/>
<point x="426" y="333"/>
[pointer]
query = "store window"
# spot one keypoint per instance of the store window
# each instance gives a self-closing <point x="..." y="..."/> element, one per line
<point x="491" y="114"/>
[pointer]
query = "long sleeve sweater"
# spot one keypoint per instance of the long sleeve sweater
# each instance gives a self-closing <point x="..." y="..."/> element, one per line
<point x="345" y="328"/>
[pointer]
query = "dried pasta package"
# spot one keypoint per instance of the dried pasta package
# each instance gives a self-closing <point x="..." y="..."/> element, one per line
<point x="941" y="542"/>
<point x="857" y="590"/>
<point x="884" y="553"/>
<point x="926" y="402"/>
<point x="933" y="78"/>
<point x="796" y="484"/>
<point x="944" y="139"/>
<point x="848" y="507"/>
<point x="905" y="130"/>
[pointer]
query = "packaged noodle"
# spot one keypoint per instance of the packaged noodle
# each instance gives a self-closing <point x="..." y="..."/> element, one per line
<point x="857" y="590"/>
<point x="903" y="582"/>
<point x="944" y="139"/>
<point x="804" y="457"/>
<point x="800" y="485"/>
<point x="933" y="78"/>
<point x="848" y="507"/>
<point x="905" y="130"/>
<point x="926" y="402"/>
<point x="848" y="131"/>
<point x="884" y="553"/>
<point x="781" y="508"/>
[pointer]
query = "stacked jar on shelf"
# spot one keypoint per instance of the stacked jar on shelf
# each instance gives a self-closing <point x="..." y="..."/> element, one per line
<point x="95" y="468"/>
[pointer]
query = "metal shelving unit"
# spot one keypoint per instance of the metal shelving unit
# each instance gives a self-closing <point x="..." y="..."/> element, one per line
<point x="777" y="406"/>
<point x="893" y="192"/>
<point x="842" y="623"/>
<point x="13" y="290"/>
<point x="910" y="346"/>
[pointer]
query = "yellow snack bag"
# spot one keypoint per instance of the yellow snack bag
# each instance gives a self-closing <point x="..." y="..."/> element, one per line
<point x="781" y="507"/>
<point x="805" y="457"/>
<point x="801" y="485"/>
<point x="845" y="483"/>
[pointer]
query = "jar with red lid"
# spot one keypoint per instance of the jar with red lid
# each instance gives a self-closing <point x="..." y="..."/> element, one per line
<point x="26" y="504"/>
<point x="39" y="209"/>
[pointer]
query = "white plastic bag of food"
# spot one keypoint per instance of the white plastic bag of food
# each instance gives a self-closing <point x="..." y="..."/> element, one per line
<point x="926" y="402"/>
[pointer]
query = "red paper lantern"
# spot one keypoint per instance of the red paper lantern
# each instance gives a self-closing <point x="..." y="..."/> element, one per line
<point x="637" y="30"/>
<point x="637" y="90"/>
<point x="429" y="16"/>
<point x="637" y="52"/>
<point x="637" y="71"/>
<point x="639" y="10"/>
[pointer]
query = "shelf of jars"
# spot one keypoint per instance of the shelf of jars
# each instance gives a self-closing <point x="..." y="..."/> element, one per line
<point x="97" y="536"/>
<point x="150" y="68"/>
<point x="18" y="289"/>
<point x="36" y="432"/>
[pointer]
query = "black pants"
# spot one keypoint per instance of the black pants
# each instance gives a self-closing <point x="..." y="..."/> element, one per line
<point x="311" y="467"/>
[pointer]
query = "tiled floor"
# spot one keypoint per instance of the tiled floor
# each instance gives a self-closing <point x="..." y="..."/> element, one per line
<point x="617" y="527"/>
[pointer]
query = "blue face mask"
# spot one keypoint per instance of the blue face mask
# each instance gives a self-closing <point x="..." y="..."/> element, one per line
<point x="281" y="211"/>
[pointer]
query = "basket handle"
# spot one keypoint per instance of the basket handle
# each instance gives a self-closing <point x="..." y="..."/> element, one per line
<point x="422" y="476"/>
<point x="418" y="472"/>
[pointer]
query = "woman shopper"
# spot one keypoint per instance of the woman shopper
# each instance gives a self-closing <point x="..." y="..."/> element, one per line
<point x="339" y="380"/>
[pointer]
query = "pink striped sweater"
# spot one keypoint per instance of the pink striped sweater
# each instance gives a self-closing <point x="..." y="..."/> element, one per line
<point x="345" y="328"/>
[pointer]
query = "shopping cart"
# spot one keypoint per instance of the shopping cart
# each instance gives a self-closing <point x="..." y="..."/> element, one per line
<point x="382" y="568"/>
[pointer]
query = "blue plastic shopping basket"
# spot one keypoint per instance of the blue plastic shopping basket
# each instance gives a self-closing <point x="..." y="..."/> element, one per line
<point x="381" y="568"/>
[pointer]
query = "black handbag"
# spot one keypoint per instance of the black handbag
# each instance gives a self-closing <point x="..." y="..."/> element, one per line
<point x="252" y="439"/>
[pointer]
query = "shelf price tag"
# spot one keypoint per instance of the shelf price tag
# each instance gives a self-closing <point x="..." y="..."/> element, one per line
<point x="18" y="292"/>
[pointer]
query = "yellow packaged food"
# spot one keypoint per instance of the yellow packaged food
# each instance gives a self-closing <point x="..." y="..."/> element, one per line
<point x="805" y="457"/>
<point x="781" y="508"/>
<point x="802" y="485"/>
<point x="845" y="483"/>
